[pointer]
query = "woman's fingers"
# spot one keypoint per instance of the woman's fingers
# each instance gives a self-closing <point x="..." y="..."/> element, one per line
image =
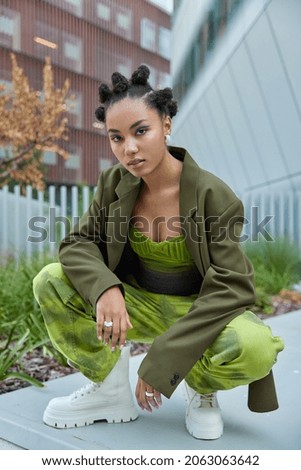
<point x="118" y="333"/>
<point x="107" y="331"/>
<point x="112" y="318"/>
<point x="147" y="397"/>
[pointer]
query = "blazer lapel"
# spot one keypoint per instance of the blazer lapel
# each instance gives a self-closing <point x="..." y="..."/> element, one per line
<point x="188" y="211"/>
<point x="120" y="212"/>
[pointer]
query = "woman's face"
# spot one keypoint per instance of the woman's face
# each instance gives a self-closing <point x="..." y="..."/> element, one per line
<point x="137" y="135"/>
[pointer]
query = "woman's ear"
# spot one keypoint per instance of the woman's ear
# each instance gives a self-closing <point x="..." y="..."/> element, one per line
<point x="167" y="125"/>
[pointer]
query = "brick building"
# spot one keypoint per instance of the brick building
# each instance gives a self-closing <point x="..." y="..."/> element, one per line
<point x="86" y="40"/>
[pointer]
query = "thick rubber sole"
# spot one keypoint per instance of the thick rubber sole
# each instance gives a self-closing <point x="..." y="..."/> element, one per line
<point x="80" y="418"/>
<point x="207" y="433"/>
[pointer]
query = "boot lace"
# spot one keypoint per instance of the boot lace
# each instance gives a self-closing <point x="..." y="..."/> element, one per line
<point x="207" y="401"/>
<point x="85" y="390"/>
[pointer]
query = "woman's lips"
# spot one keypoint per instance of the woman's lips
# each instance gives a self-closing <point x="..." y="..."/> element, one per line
<point x="136" y="161"/>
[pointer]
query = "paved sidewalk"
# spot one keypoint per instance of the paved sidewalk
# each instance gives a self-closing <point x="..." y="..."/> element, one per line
<point x="21" y="425"/>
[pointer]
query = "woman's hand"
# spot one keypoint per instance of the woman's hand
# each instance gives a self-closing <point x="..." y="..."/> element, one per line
<point x="111" y="307"/>
<point x="146" y="396"/>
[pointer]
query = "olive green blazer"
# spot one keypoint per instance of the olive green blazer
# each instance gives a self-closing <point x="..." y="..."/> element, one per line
<point x="212" y="219"/>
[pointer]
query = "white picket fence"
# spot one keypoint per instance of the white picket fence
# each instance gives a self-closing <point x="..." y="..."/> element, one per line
<point x="272" y="215"/>
<point x="36" y="223"/>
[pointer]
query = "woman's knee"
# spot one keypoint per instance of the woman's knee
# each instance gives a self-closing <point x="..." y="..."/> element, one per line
<point x="40" y="282"/>
<point x="258" y="347"/>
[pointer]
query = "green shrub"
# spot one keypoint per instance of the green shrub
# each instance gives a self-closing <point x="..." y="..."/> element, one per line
<point x="11" y="353"/>
<point x="18" y="307"/>
<point x="22" y="327"/>
<point x="277" y="266"/>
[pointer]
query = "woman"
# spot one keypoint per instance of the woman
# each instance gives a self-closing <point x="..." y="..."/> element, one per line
<point x="156" y="259"/>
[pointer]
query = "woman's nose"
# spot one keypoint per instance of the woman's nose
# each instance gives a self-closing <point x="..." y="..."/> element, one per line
<point x="131" y="146"/>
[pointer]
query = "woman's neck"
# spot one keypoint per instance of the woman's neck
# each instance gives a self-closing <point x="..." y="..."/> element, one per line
<point x="166" y="175"/>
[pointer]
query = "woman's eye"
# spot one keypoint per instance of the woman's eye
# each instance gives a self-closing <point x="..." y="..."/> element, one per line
<point x="141" y="131"/>
<point x="115" y="138"/>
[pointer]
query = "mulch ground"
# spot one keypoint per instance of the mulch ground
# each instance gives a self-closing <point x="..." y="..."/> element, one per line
<point x="44" y="368"/>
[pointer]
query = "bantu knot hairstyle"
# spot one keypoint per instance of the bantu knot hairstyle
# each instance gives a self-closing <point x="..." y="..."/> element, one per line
<point x="140" y="76"/>
<point x="137" y="87"/>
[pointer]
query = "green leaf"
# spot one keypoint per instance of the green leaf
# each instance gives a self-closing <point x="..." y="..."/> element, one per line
<point x="25" y="377"/>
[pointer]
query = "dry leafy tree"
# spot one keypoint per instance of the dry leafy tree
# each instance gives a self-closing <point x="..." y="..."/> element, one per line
<point x="30" y="122"/>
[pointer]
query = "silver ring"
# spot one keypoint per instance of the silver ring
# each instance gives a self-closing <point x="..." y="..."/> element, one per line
<point x="149" y="394"/>
<point x="108" y="324"/>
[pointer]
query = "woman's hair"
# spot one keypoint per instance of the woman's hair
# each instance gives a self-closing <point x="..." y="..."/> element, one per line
<point x="137" y="87"/>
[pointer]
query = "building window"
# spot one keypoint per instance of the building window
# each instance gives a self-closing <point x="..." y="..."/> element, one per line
<point x="9" y="28"/>
<point x="233" y="5"/>
<point x="73" y="52"/>
<point x="124" y="19"/>
<point x="205" y="41"/>
<point x="6" y="25"/>
<point x="155" y="38"/>
<point x="74" y="6"/>
<point x="103" y="11"/>
<point x="148" y="35"/>
<point x="49" y="157"/>
<point x="7" y="86"/>
<point x="6" y="152"/>
<point x="73" y="162"/>
<point x="164" y="42"/>
<point x="124" y="66"/>
<point x="63" y="49"/>
<point x="104" y="164"/>
<point x="115" y="17"/>
<point x="211" y="30"/>
<point x="106" y="60"/>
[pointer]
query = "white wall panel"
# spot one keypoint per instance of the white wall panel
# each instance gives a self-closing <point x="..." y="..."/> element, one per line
<point x="280" y="106"/>
<point x="224" y="168"/>
<point x="180" y="139"/>
<point x="248" y="151"/>
<point x="230" y="156"/>
<point x="208" y="160"/>
<point x="197" y="143"/>
<point x="285" y="20"/>
<point x="257" y="115"/>
<point x="233" y="150"/>
<point x="183" y="139"/>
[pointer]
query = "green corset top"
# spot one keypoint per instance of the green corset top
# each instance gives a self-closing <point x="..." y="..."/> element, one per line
<point x="167" y="256"/>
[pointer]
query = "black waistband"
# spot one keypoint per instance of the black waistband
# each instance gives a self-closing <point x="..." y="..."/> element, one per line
<point x="173" y="283"/>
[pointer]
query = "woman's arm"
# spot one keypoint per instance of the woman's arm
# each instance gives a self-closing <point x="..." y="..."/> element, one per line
<point x="80" y="252"/>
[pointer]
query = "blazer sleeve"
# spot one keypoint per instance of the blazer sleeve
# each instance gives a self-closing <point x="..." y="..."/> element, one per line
<point x="227" y="291"/>
<point x="82" y="252"/>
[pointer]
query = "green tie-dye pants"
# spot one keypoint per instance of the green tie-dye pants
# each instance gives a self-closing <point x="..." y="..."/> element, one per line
<point x="243" y="352"/>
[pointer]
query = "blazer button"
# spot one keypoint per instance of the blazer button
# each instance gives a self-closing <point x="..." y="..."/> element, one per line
<point x="174" y="379"/>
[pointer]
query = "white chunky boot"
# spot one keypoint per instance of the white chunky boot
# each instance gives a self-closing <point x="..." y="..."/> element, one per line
<point x="203" y="415"/>
<point x="110" y="400"/>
